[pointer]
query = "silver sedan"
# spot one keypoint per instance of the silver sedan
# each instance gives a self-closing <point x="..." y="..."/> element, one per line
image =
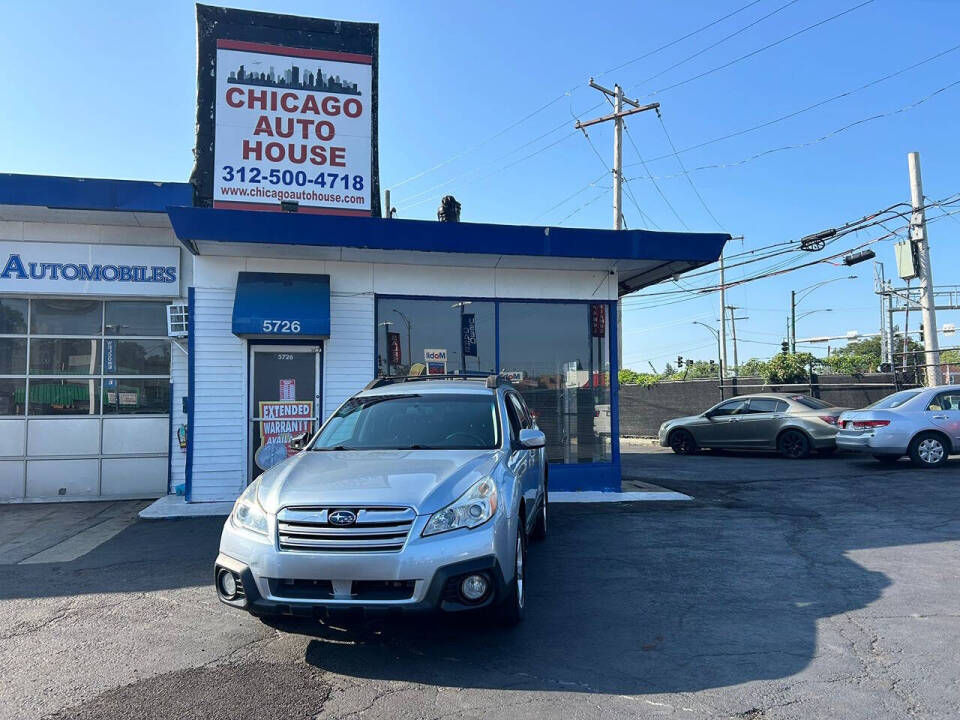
<point x="923" y="423"/>
<point x="792" y="424"/>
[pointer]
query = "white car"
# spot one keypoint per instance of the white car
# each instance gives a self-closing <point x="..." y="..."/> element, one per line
<point x="923" y="423"/>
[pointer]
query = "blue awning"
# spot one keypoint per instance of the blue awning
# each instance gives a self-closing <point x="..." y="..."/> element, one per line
<point x="282" y="305"/>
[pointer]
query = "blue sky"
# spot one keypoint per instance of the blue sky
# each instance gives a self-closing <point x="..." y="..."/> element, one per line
<point x="108" y="89"/>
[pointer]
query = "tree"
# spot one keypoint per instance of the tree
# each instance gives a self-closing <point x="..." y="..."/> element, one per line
<point x="950" y="357"/>
<point x="754" y="367"/>
<point x="790" y="368"/>
<point x="860" y="356"/>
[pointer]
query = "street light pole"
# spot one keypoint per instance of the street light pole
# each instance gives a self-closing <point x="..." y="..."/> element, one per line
<point x="716" y="334"/>
<point x="794" y="301"/>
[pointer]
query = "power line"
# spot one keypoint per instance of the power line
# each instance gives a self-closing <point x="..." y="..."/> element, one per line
<point x="686" y="174"/>
<point x="762" y="49"/>
<point x="655" y="183"/>
<point x="680" y="39"/>
<point x="718" y="42"/>
<point x="822" y="138"/>
<point x="814" y="106"/>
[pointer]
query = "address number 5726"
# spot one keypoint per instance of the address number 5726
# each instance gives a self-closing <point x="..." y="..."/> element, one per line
<point x="281" y="326"/>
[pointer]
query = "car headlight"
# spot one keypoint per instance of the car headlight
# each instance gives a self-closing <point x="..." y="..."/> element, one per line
<point x="247" y="513"/>
<point x="473" y="508"/>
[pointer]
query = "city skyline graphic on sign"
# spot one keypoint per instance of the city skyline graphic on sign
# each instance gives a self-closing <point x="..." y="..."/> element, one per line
<point x="291" y="78"/>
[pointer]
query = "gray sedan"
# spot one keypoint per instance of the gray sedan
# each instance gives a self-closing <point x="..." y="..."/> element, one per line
<point x="793" y="425"/>
<point x="923" y="423"/>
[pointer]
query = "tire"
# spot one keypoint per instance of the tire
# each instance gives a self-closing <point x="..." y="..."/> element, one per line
<point x="887" y="459"/>
<point x="512" y="606"/>
<point x="682" y="442"/>
<point x="793" y="444"/>
<point x="540" y="529"/>
<point x="928" y="450"/>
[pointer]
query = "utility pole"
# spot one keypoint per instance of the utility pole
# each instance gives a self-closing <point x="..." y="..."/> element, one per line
<point x="723" y="322"/>
<point x="918" y="235"/>
<point x="793" y="322"/>
<point x="891" y="340"/>
<point x="618" y="115"/>
<point x="733" y="331"/>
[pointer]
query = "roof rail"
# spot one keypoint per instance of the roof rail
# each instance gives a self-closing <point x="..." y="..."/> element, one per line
<point x="493" y="381"/>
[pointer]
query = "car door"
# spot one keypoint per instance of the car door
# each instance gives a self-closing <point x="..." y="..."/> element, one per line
<point x="721" y="424"/>
<point x="758" y="427"/>
<point x="523" y="462"/>
<point x="944" y="412"/>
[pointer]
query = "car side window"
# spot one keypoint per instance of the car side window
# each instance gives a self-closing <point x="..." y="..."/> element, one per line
<point x="945" y="401"/>
<point x="731" y="407"/>
<point x="766" y="405"/>
<point x="522" y="413"/>
<point x="513" y="416"/>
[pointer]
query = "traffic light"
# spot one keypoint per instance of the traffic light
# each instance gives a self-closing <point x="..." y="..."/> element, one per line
<point x="785" y="347"/>
<point x="679" y="361"/>
<point x="921" y="332"/>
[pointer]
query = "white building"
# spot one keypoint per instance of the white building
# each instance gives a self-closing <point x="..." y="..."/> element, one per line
<point x="289" y="314"/>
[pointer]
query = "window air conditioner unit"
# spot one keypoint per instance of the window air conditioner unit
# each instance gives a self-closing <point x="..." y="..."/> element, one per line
<point x="178" y="320"/>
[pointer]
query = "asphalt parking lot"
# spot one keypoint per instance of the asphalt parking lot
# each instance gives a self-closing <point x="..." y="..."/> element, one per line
<point x="821" y="588"/>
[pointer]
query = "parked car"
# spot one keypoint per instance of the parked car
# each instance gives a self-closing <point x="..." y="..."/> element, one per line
<point x="793" y="425"/>
<point x="417" y="494"/>
<point x="923" y="423"/>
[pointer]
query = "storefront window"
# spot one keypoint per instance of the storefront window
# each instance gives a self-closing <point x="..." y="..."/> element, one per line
<point x="13" y="356"/>
<point x="64" y="397"/>
<point x="557" y="355"/>
<point x="66" y="317"/>
<point x="64" y="357"/>
<point x="13" y="316"/>
<point x="71" y="352"/>
<point x="140" y="357"/>
<point x="12" y="396"/>
<point x="126" y="396"/>
<point x="143" y="319"/>
<point x="439" y="336"/>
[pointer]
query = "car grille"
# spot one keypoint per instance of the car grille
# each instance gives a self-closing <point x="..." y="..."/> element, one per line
<point x="377" y="529"/>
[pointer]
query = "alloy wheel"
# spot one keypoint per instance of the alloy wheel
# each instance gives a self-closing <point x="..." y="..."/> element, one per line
<point x="519" y="571"/>
<point x="793" y="445"/>
<point x="930" y="451"/>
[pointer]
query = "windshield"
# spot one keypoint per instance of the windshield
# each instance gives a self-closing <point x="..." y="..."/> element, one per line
<point x="810" y="402"/>
<point x="895" y="400"/>
<point x="412" y="422"/>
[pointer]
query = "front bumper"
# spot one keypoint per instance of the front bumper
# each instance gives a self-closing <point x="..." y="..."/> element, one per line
<point x="422" y="576"/>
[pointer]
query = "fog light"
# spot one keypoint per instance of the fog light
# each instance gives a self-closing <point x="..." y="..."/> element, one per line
<point x="228" y="584"/>
<point x="473" y="587"/>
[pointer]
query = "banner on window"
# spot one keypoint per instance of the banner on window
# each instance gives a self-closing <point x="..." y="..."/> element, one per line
<point x="468" y="333"/>
<point x="282" y="421"/>
<point x="394" y="354"/>
<point x="598" y="320"/>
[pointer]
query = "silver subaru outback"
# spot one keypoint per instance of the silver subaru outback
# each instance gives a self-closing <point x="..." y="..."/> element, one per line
<point x="419" y="493"/>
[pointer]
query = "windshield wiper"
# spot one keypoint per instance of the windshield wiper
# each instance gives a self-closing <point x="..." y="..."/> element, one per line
<point x="419" y="447"/>
<point x="335" y="447"/>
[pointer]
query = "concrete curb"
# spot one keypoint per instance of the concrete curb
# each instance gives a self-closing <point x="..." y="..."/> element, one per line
<point x="616" y="497"/>
<point x="174" y="506"/>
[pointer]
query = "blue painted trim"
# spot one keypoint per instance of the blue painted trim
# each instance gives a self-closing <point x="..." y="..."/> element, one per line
<point x="170" y="442"/>
<point x="496" y="336"/>
<point x="614" y="390"/>
<point x="191" y="382"/>
<point x="71" y="193"/>
<point x="306" y="229"/>
<point x="574" y="477"/>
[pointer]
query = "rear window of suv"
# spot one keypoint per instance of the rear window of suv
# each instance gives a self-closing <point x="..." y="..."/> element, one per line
<point x="443" y="421"/>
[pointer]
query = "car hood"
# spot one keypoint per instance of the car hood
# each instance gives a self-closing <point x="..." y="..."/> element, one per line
<point x="425" y="480"/>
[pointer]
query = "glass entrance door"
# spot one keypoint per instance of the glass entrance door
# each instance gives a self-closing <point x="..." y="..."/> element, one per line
<point x="284" y="401"/>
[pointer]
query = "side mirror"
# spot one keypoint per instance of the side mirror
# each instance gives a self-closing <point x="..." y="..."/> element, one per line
<point x="299" y="442"/>
<point x="709" y="414"/>
<point x="531" y="439"/>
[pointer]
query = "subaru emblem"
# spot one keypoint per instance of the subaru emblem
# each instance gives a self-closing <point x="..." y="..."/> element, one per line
<point x="343" y="517"/>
